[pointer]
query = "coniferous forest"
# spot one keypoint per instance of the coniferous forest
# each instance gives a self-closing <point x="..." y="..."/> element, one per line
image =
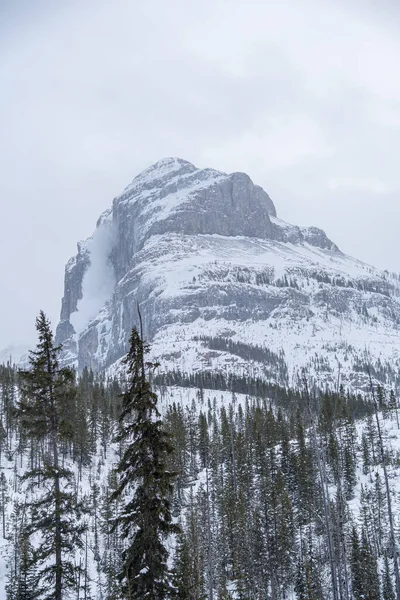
<point x="193" y="486"/>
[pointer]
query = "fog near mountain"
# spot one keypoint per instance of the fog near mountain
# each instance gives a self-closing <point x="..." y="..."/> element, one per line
<point x="99" y="279"/>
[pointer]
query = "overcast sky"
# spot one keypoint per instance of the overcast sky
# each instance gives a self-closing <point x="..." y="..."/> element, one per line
<point x="302" y="95"/>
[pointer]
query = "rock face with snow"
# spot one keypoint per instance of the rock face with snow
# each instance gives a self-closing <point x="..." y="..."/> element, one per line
<point x="216" y="275"/>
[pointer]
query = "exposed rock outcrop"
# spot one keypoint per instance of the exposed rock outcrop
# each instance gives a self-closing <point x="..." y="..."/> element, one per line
<point x="204" y="254"/>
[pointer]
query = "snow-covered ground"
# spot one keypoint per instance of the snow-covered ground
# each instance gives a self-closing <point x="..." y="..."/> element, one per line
<point x="12" y="465"/>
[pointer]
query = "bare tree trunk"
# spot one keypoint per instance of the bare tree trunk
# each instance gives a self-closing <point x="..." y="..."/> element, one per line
<point x="86" y="567"/>
<point x="78" y="584"/>
<point x="325" y="496"/>
<point x="233" y="451"/>
<point x="57" y="540"/>
<point x="209" y="541"/>
<point x="53" y="417"/>
<point x="389" y="501"/>
<point x="3" y="502"/>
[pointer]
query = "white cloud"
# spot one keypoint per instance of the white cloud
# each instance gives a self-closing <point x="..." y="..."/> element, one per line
<point x="372" y="185"/>
<point x="278" y="143"/>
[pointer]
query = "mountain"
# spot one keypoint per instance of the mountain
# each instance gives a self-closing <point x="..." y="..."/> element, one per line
<point x="15" y="354"/>
<point x="224" y="285"/>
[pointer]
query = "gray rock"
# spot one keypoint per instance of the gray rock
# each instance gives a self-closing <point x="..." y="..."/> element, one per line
<point x="203" y="252"/>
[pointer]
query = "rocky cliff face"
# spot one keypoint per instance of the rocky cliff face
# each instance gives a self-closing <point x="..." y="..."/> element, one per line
<point x="218" y="275"/>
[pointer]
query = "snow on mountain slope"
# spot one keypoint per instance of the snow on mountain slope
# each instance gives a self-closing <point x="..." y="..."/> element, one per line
<point x="217" y="274"/>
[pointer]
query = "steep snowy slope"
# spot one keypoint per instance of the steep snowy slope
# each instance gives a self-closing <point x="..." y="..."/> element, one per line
<point x="217" y="275"/>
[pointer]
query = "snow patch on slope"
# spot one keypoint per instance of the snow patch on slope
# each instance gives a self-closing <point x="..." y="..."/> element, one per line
<point x="162" y="169"/>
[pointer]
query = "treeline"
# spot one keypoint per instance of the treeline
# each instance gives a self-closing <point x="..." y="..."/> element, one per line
<point x="265" y="502"/>
<point x="273" y="365"/>
<point x="288" y="399"/>
<point x="298" y="278"/>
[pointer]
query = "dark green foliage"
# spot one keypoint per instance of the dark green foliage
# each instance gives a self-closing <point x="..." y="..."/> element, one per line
<point x="175" y="423"/>
<point x="187" y="568"/>
<point x="273" y="364"/>
<point x="145" y="485"/>
<point x="349" y="460"/>
<point x="363" y="568"/>
<point x="387" y="585"/>
<point x="248" y="494"/>
<point x="47" y="391"/>
<point x="204" y="442"/>
<point x="289" y="399"/>
<point x="183" y="576"/>
<point x="44" y="410"/>
<point x="27" y="582"/>
<point x="308" y="584"/>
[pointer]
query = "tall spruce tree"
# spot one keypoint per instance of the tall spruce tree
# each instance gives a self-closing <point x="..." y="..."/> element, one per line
<point x="26" y="585"/>
<point x="145" y="485"/>
<point x="387" y="585"/>
<point x="47" y="393"/>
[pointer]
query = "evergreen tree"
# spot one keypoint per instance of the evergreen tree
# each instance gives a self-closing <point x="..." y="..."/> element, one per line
<point x="307" y="580"/>
<point x="26" y="580"/>
<point x="363" y="568"/>
<point x="387" y="585"/>
<point x="349" y="460"/>
<point x="370" y="569"/>
<point x="366" y="455"/>
<point x="111" y="563"/>
<point x="393" y="406"/>
<point x="186" y="574"/>
<point x="47" y="394"/>
<point x="182" y="570"/>
<point x="145" y="485"/>
<point x="179" y="461"/>
<point x="356" y="565"/>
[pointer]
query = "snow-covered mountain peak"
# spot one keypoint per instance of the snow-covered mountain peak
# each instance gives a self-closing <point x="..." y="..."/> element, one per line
<point x="217" y="275"/>
<point x="173" y="182"/>
<point x="159" y="172"/>
<point x="175" y="196"/>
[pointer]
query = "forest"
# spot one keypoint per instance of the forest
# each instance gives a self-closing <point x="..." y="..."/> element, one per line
<point x="193" y="486"/>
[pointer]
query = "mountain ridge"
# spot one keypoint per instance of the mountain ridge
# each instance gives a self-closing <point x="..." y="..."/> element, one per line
<point x="204" y="254"/>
